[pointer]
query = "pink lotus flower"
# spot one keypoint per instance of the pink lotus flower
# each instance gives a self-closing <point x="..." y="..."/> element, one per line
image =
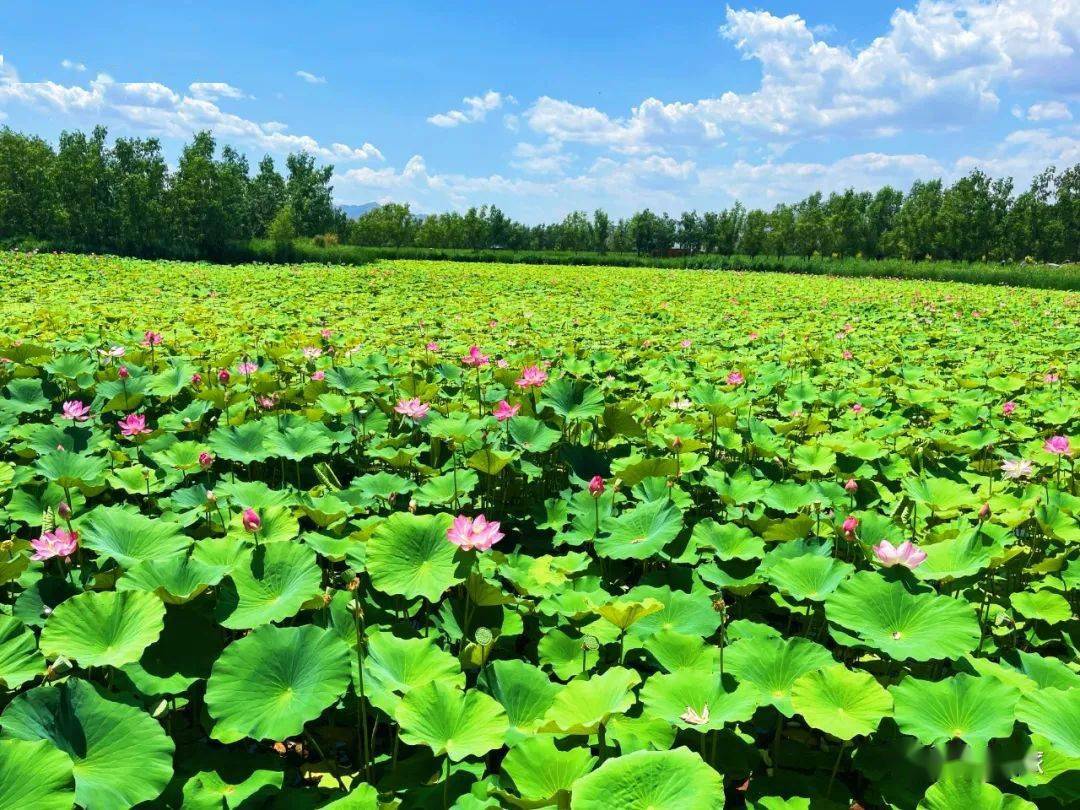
<point x="57" y="543"/>
<point x="532" y="377"/>
<point x="318" y="376"/>
<point x="847" y="355"/>
<point x="196" y="379"/>
<point x="267" y="402"/>
<point x="412" y="409"/>
<point x="1008" y="408"/>
<point x="206" y="460"/>
<point x="251" y="520"/>
<point x="851" y="523"/>
<point x="247" y="367"/>
<point x="906" y="554"/>
<point x="505" y="411"/>
<point x="474" y="533"/>
<point x="686" y="344"/>
<point x="1017" y="468"/>
<point x="502" y="362"/>
<point x="432" y="346"/>
<point x="76" y="411"/>
<point x="753" y="336"/>
<point x="326" y="333"/>
<point x="224" y="376"/>
<point x="851" y="486"/>
<point x="857" y="408"/>
<point x="735" y="378"/>
<point x="132" y="425"/>
<point x="475" y="358"/>
<point x="312" y="352"/>
<point x="151" y="338"/>
<point x="596" y="486"/>
<point x="1058" y="446"/>
<point x="123" y="373"/>
<point x="1051" y="377"/>
<point x="115" y="351"/>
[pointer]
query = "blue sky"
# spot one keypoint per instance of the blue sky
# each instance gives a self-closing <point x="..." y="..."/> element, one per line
<point x="544" y="108"/>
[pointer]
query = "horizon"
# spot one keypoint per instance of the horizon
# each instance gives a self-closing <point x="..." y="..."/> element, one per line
<point x="683" y="108"/>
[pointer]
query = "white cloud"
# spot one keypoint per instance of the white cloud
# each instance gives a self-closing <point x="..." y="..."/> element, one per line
<point x="545" y="158"/>
<point x="1049" y="111"/>
<point x="943" y="63"/>
<point x="311" y="78"/>
<point x="156" y="109"/>
<point x="212" y="91"/>
<point x="68" y="64"/>
<point x="475" y="109"/>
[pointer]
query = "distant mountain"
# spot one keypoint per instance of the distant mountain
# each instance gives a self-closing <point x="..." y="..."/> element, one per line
<point x="355" y="211"/>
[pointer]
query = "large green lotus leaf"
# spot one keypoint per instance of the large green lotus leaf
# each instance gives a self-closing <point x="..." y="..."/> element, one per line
<point x="674" y="651"/>
<point x="220" y="787"/>
<point x="584" y="704"/>
<point x="886" y="616"/>
<point x="651" y="780"/>
<point x="944" y="497"/>
<point x="967" y="707"/>
<point x="20" y="659"/>
<point x="524" y="691"/>
<point x="35" y="775"/>
<point x="701" y="693"/>
<point x="729" y="540"/>
<point x="70" y="470"/>
<point x="959" y="557"/>
<point x="841" y="702"/>
<point x="395" y="666"/>
<point x="275" y="582"/>
<point x="808" y="576"/>
<point x="542" y="773"/>
<point x="269" y="683"/>
<point x="690" y="613"/>
<point x="410" y="556"/>
<point x="128" y="537"/>
<point x="279" y="525"/>
<point x="1045" y="606"/>
<point x="244" y="443"/>
<point x="566" y="655"/>
<point x="961" y="787"/>
<point x="184" y="654"/>
<point x="1055" y="714"/>
<point x="449" y="721"/>
<point x="572" y="400"/>
<point x="103" y="628"/>
<point x="176" y="580"/>
<point x="771" y="667"/>
<point x="1026" y="671"/>
<point x="640" y="532"/>
<point x="121" y="755"/>
<point x="624" y="612"/>
<point x="299" y="442"/>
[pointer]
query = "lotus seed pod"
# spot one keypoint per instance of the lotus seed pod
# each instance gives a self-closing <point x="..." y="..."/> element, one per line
<point x="483" y="637"/>
<point x="590" y="643"/>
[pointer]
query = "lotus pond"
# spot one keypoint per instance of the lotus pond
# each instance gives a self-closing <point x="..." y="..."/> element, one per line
<point x="428" y="535"/>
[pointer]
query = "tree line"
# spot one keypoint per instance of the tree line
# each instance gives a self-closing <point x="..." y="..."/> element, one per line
<point x="90" y="194"/>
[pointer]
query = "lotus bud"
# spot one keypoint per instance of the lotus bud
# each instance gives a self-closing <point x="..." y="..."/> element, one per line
<point x="211" y="498"/>
<point x="223" y="376"/>
<point x="596" y="486"/>
<point x="196" y="379"/>
<point x="676" y="443"/>
<point x="123" y="373"/>
<point x="851" y="487"/>
<point x="63" y="510"/>
<point x="206" y="460"/>
<point x="251" y="520"/>
<point x="984" y="511"/>
<point x="851" y="523"/>
<point x="412" y="506"/>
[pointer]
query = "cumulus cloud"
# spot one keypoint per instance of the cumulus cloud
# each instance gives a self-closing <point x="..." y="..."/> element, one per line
<point x="311" y="78"/>
<point x="156" y="109"/>
<point x="474" y="109"/>
<point x="1049" y="111"/>
<point x="939" y="64"/>
<point x="68" y="64"/>
<point x="211" y="91"/>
